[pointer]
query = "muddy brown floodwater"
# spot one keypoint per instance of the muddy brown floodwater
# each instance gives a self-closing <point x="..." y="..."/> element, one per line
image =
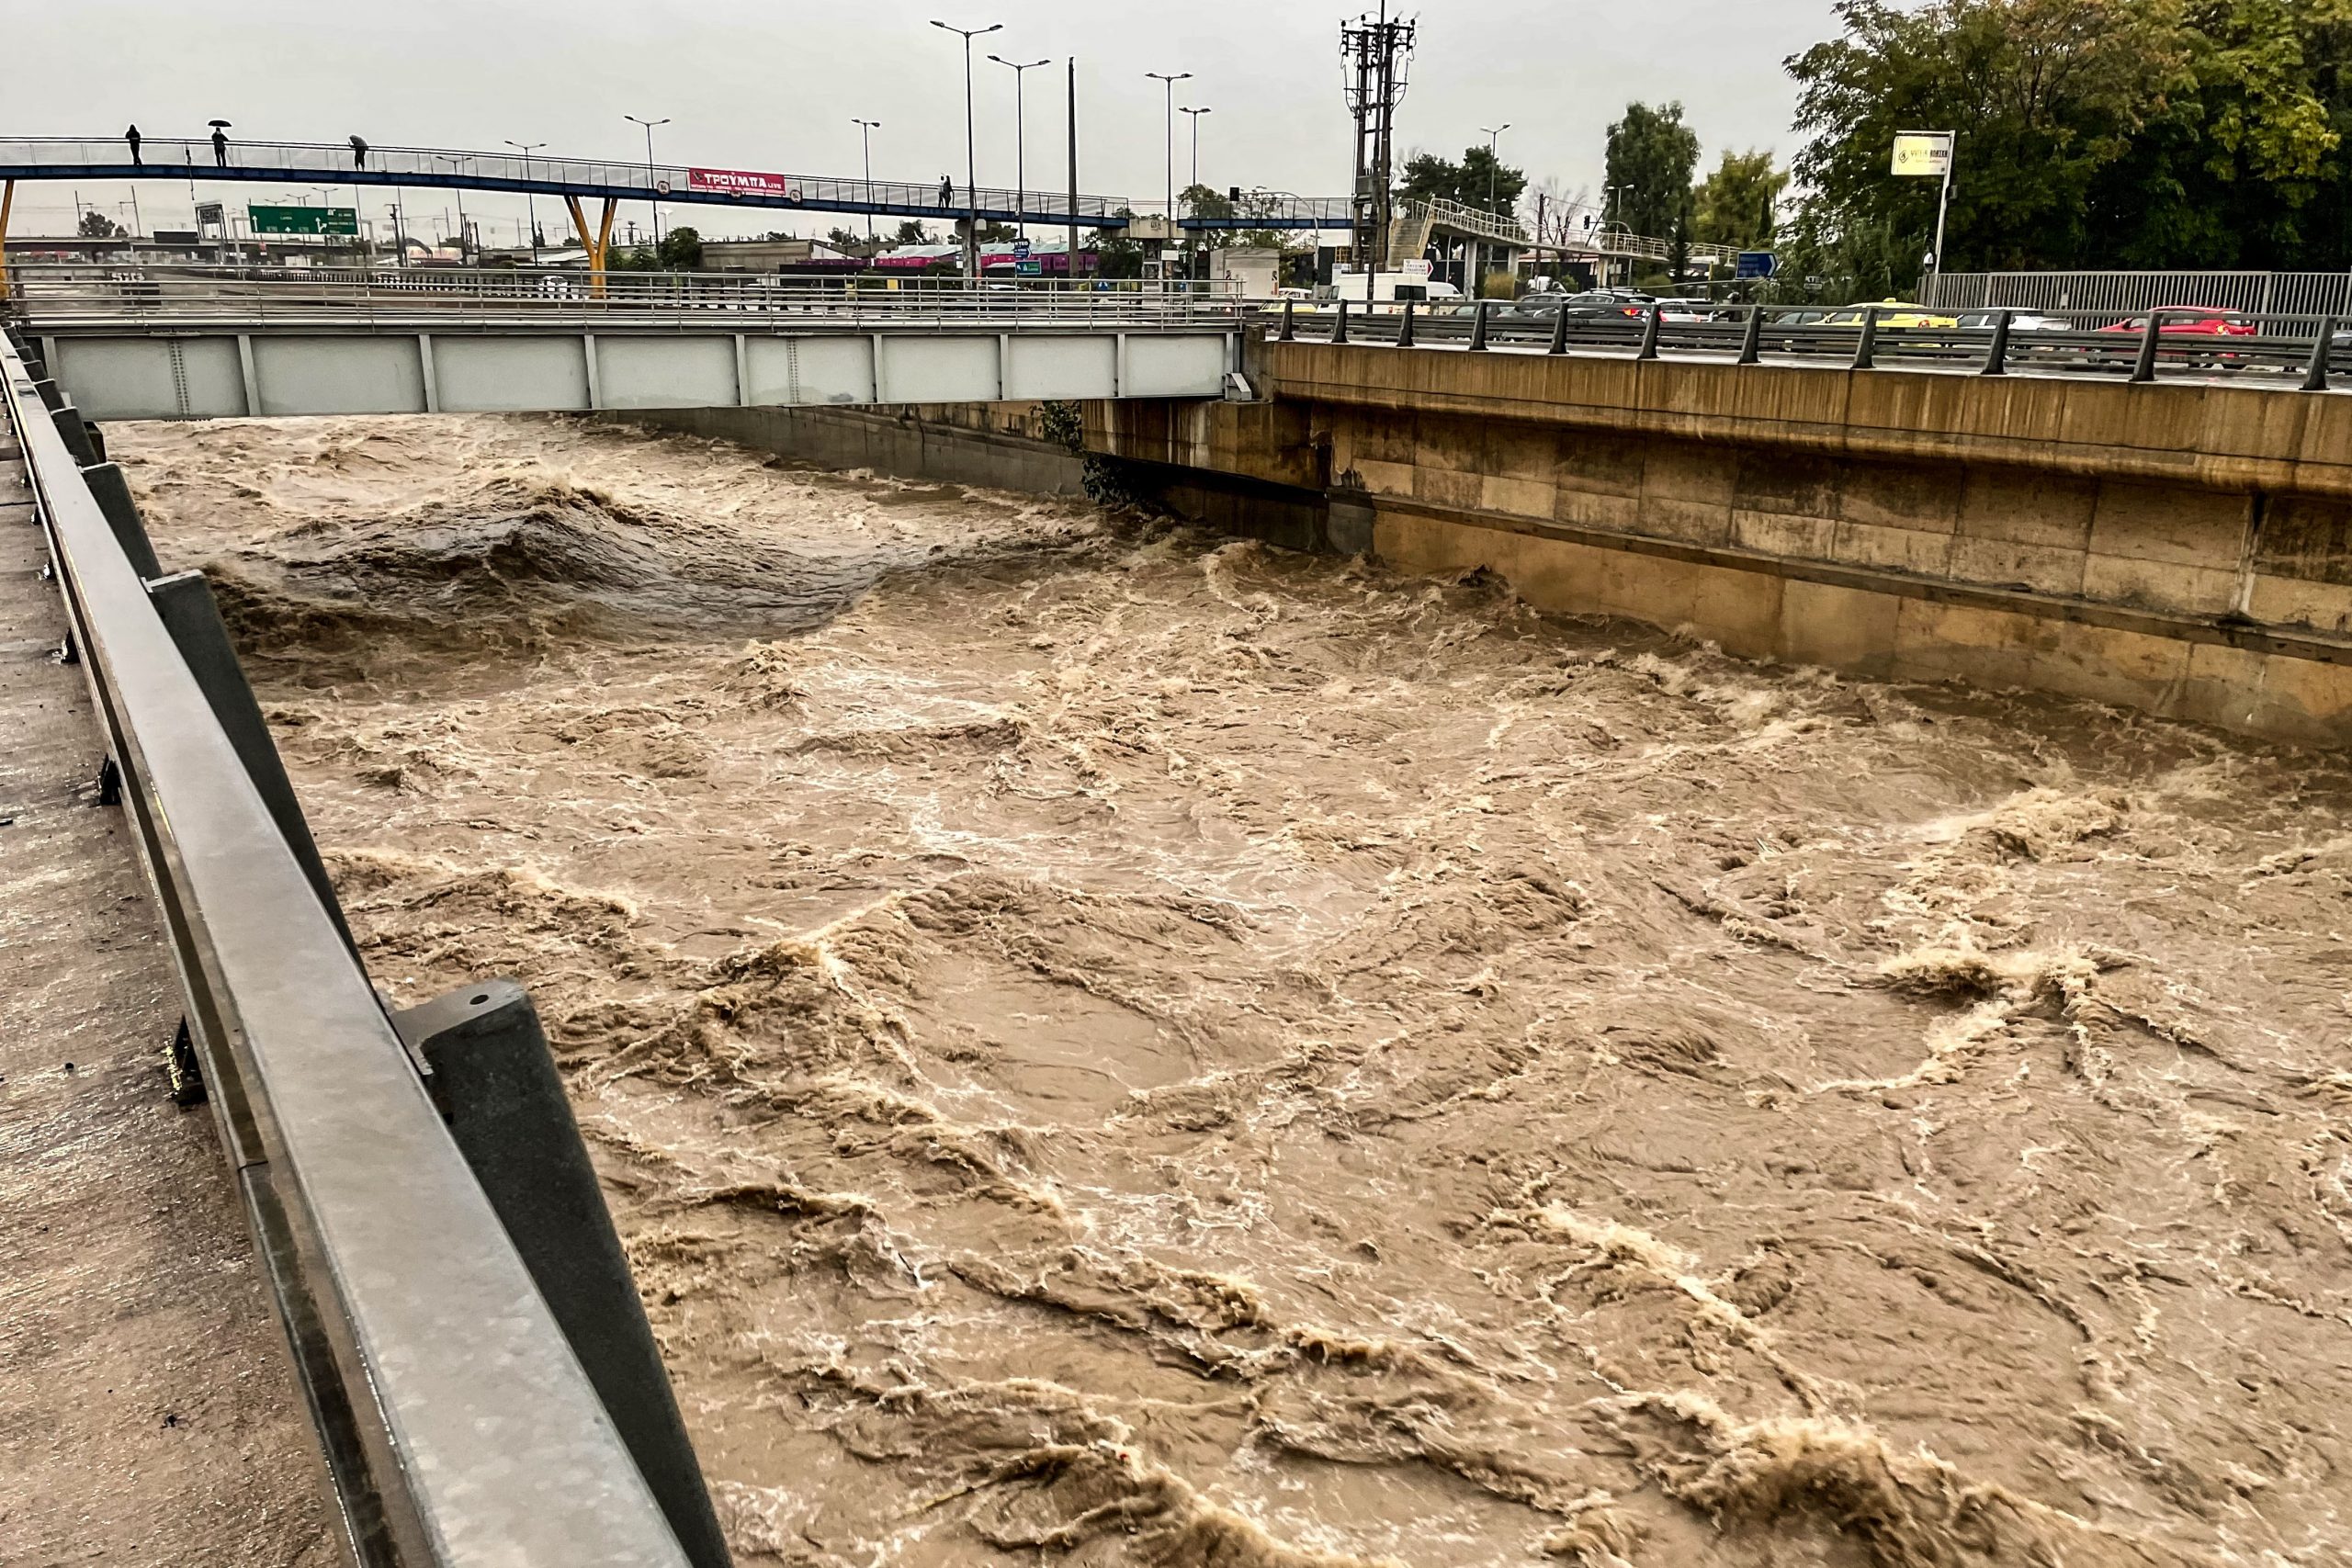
<point x="1110" y="1045"/>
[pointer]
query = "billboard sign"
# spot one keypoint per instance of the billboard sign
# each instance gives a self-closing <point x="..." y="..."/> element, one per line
<point x="741" y="181"/>
<point x="1927" y="152"/>
<point x="1754" y="263"/>
<point x="304" y="220"/>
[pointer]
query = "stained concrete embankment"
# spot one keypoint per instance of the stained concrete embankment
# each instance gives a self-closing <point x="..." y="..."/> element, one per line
<point x="2185" y="548"/>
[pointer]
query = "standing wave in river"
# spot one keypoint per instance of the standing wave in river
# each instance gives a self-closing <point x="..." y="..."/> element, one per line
<point x="1112" y="1045"/>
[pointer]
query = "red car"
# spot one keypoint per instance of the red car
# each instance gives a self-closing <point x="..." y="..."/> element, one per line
<point x="2192" y="320"/>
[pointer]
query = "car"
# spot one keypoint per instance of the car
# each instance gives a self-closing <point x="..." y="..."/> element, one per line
<point x="2019" y="322"/>
<point x="1686" y="310"/>
<point x="1891" y="313"/>
<point x="2191" y="321"/>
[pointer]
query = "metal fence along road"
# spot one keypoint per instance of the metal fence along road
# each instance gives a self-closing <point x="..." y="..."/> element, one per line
<point x="333" y="164"/>
<point x="2258" y="293"/>
<point x="54" y="298"/>
<point x="2298" y="352"/>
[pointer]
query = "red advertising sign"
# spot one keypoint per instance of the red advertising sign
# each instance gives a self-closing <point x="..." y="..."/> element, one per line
<point x="741" y="181"/>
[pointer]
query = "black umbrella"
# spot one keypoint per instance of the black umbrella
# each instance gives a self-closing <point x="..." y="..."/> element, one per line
<point x="217" y="124"/>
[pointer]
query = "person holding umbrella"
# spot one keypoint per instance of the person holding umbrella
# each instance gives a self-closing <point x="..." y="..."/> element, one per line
<point x="131" y="136"/>
<point x="221" y="142"/>
<point x="358" y="153"/>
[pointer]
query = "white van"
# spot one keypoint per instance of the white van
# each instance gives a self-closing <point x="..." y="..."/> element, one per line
<point x="1378" y="289"/>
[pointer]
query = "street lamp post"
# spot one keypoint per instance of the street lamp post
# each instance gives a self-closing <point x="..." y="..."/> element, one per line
<point x="971" y="157"/>
<point x="1197" y="139"/>
<point x="1494" y="134"/>
<point x="1019" y="132"/>
<point x="652" y="194"/>
<point x="457" y="162"/>
<point x="530" y="199"/>
<point x="1169" y="83"/>
<point x="865" y="130"/>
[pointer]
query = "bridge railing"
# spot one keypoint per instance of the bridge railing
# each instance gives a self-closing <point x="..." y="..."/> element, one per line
<point x="458" y="1424"/>
<point x="2281" y="350"/>
<point x="320" y="163"/>
<point x="52" y="297"/>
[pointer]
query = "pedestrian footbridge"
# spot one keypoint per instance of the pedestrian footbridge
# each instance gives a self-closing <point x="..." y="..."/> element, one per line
<point x="194" y="345"/>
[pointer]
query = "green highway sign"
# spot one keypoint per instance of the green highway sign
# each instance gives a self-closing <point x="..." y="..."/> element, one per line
<point x="304" y="220"/>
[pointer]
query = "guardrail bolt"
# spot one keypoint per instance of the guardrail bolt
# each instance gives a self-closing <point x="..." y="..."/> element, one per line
<point x="110" y="783"/>
<point x="66" y="653"/>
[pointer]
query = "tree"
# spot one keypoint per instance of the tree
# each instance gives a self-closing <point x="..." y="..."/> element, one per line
<point x="912" y="233"/>
<point x="2089" y="133"/>
<point x="680" y="251"/>
<point x="1116" y="256"/>
<point x="97" y="225"/>
<point x="1652" y="156"/>
<point x="1738" y="204"/>
<point x="1428" y="177"/>
<point x="1480" y="180"/>
<point x="849" y="242"/>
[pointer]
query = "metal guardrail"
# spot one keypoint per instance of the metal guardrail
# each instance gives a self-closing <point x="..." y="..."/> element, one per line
<point x="2302" y="352"/>
<point x="459" y="1426"/>
<point x="333" y="164"/>
<point x="53" y="298"/>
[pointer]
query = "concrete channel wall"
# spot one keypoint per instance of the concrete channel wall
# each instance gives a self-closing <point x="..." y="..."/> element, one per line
<point x="2182" y="548"/>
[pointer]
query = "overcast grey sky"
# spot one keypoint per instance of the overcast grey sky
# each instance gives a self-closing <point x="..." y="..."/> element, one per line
<point x="774" y="86"/>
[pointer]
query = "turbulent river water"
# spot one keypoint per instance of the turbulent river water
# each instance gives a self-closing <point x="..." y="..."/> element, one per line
<point x="1110" y="1046"/>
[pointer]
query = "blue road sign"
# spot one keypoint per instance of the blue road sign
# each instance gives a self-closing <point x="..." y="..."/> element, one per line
<point x="1020" y="250"/>
<point x="1753" y="264"/>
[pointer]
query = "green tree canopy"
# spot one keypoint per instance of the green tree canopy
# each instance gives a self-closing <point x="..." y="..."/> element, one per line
<point x="1480" y="180"/>
<point x="1652" y="157"/>
<point x="680" y="250"/>
<point x="1738" y="204"/>
<point x="2089" y="133"/>
<point x="99" y="226"/>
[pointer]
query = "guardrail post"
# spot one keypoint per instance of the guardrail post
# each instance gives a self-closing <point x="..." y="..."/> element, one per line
<point x="77" y="436"/>
<point x="1290" y="323"/>
<point x="1405" y="327"/>
<point x="2316" y="377"/>
<point x="1559" y="331"/>
<point x="1649" y="334"/>
<point x="1751" y="342"/>
<point x="1996" y="356"/>
<point x="2145" y="369"/>
<point x="1478" y="325"/>
<point x="1866" y="349"/>
<point x="112" y="492"/>
<point x="497" y="1087"/>
<point x="1340" y="327"/>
